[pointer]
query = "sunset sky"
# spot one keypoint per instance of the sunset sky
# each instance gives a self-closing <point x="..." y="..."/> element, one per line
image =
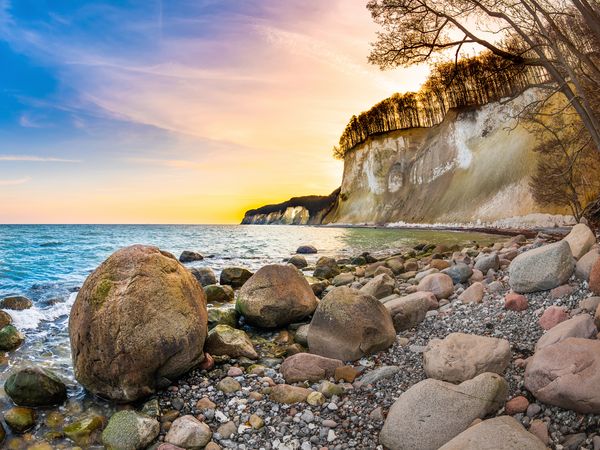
<point x="187" y="111"/>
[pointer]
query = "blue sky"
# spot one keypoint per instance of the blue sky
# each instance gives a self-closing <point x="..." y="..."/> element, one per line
<point x="179" y="111"/>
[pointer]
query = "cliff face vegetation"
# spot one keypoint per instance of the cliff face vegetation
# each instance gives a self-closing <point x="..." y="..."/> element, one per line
<point x="296" y="211"/>
<point x="469" y="82"/>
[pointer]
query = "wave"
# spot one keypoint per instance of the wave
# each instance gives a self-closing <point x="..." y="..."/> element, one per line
<point x="30" y="319"/>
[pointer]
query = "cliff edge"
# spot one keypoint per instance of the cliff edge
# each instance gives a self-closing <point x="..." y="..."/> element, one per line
<point x="308" y="210"/>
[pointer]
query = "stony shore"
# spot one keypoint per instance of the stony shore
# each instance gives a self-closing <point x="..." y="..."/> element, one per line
<point x="257" y="388"/>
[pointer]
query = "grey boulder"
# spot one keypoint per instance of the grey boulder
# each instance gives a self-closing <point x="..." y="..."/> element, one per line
<point x="542" y="268"/>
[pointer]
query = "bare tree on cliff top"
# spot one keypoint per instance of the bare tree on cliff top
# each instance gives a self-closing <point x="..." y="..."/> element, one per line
<point x="562" y="36"/>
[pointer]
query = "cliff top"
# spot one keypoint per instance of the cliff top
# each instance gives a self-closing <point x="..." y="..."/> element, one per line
<point x="469" y="82"/>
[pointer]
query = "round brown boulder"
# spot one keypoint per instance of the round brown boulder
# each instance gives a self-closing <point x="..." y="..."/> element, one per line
<point x="276" y="295"/>
<point x="349" y="324"/>
<point x="139" y="321"/>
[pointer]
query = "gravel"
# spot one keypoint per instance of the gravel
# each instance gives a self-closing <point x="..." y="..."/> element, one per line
<point x="353" y="420"/>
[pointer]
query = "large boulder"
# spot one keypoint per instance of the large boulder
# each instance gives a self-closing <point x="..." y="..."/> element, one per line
<point x="34" y="386"/>
<point x="234" y="276"/>
<point x="308" y="367"/>
<point x="542" y="268"/>
<point x="459" y="357"/>
<point x="439" y="283"/>
<point x="567" y="374"/>
<point x="130" y="430"/>
<point x="139" y="322"/>
<point x="225" y="340"/>
<point x="409" y="311"/>
<point x="580" y="239"/>
<point x="205" y="275"/>
<point x="432" y="412"/>
<point x="275" y="296"/>
<point x="379" y="287"/>
<point x="349" y="324"/>
<point x="499" y="433"/>
<point x="581" y="326"/>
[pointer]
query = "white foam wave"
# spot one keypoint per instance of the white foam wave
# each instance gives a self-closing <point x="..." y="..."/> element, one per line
<point x="30" y="319"/>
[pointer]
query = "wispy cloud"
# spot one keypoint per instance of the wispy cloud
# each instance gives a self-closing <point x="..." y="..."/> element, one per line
<point x="27" y="121"/>
<point x="28" y="158"/>
<point x="171" y="163"/>
<point x="14" y="181"/>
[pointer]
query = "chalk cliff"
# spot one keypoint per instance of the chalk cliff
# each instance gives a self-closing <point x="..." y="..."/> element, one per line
<point x="473" y="168"/>
<point x="307" y="210"/>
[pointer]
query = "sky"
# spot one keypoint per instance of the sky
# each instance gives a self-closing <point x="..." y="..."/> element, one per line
<point x="179" y="111"/>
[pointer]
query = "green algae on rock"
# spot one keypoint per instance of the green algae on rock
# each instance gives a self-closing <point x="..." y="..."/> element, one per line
<point x="130" y="430"/>
<point x="10" y="338"/>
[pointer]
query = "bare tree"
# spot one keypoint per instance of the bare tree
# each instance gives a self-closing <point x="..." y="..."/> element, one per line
<point x="561" y="36"/>
<point x="567" y="166"/>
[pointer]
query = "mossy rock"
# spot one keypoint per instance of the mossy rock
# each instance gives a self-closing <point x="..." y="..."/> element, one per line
<point x="10" y="338"/>
<point x="225" y="340"/>
<point x="81" y="431"/>
<point x="235" y="276"/>
<point x="5" y="319"/>
<point x="222" y="316"/>
<point x="217" y="293"/>
<point x="16" y="302"/>
<point x="34" y="386"/>
<point x="130" y="430"/>
<point x="20" y="419"/>
<point x="151" y="408"/>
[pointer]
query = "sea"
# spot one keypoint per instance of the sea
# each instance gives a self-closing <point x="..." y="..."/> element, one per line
<point x="49" y="263"/>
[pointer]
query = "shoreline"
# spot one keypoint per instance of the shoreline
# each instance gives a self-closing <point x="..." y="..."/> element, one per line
<point x="234" y="397"/>
<point x="530" y="233"/>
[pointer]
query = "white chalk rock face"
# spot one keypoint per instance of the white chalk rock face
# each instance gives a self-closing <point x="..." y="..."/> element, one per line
<point x="459" y="357"/>
<point x="424" y="175"/>
<point x="542" y="268"/>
